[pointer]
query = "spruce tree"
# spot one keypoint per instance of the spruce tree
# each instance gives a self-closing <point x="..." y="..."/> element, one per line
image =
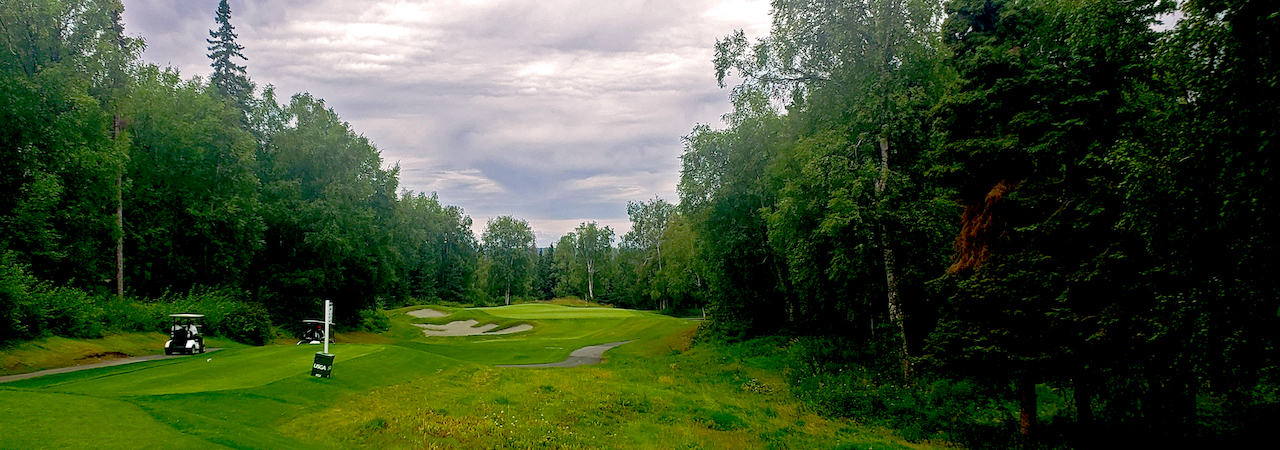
<point x="230" y="79"/>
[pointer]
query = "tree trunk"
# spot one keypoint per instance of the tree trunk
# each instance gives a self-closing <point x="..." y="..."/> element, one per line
<point x="120" y="236"/>
<point x="508" y="296"/>
<point x="891" y="270"/>
<point x="1026" y="410"/>
<point x="659" y="254"/>
<point x="117" y="126"/>
<point x="591" y="280"/>
<point x="1084" y="407"/>
<point x="895" y="306"/>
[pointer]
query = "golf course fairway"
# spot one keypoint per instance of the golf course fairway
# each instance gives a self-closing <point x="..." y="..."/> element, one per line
<point x="402" y="389"/>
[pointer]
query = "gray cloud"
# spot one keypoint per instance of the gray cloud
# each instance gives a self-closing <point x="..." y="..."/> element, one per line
<point x="557" y="112"/>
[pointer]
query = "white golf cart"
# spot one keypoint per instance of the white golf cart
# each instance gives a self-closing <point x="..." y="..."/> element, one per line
<point x="313" y="332"/>
<point x="184" y="335"/>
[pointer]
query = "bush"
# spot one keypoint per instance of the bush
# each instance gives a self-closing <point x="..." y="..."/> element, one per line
<point x="65" y="312"/>
<point x="30" y="309"/>
<point x="838" y="378"/>
<point x="226" y="314"/>
<point x="374" y="321"/>
<point x="14" y="297"/>
<point x="246" y="322"/>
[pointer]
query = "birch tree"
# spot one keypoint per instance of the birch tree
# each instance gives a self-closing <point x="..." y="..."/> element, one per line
<point x="509" y="248"/>
<point x="592" y="245"/>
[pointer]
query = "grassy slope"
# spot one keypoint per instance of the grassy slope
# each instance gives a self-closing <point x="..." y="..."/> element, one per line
<point x="422" y="392"/>
<point x="54" y="352"/>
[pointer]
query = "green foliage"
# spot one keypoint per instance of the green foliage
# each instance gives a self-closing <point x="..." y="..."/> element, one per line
<point x="32" y="309"/>
<point x="217" y="187"/>
<point x="593" y="249"/>
<point x="844" y="380"/>
<point x="227" y="314"/>
<point x="510" y="257"/>
<point x="374" y="321"/>
<point x="1087" y="152"/>
<point x="436" y="252"/>
<point x="544" y="281"/>
<point x="248" y="323"/>
<point x="585" y="264"/>
<point x="60" y="158"/>
<point x="193" y="205"/>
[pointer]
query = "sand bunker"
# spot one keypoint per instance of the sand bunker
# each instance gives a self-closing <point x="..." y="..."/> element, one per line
<point x="427" y="313"/>
<point x="461" y="327"/>
<point x="469" y="328"/>
<point x="592" y="354"/>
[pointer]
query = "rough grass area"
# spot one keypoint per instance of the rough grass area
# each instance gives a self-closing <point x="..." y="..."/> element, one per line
<point x="401" y="389"/>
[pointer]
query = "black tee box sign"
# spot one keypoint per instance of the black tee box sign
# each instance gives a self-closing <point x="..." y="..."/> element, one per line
<point x="323" y="366"/>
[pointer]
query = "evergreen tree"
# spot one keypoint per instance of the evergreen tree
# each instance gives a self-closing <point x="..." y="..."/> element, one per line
<point x="230" y="79"/>
<point x="544" y="282"/>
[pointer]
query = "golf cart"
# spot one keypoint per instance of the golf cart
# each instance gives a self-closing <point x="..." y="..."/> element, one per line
<point x="313" y="332"/>
<point x="184" y="335"/>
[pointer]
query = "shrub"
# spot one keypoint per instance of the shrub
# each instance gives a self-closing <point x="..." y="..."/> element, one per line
<point x="246" y="322"/>
<point x="14" y="283"/>
<point x="837" y="379"/>
<point x="65" y="312"/>
<point x="30" y="309"/>
<point x="374" y="321"/>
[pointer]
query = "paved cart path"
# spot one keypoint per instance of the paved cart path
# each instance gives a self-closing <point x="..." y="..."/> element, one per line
<point x="113" y="362"/>
<point x="592" y="354"/>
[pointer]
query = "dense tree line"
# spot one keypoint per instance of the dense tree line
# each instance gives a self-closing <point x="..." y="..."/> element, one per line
<point x="201" y="184"/>
<point x="127" y="179"/>
<point x="1016" y="192"/>
<point x="653" y="266"/>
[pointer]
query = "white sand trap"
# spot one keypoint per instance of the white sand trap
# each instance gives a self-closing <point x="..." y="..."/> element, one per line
<point x="592" y="354"/>
<point x="427" y="313"/>
<point x="469" y="328"/>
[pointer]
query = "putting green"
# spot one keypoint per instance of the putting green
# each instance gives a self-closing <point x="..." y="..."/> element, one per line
<point x="545" y="311"/>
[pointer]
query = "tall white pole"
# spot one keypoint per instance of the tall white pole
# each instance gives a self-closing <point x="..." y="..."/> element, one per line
<point x="328" y="318"/>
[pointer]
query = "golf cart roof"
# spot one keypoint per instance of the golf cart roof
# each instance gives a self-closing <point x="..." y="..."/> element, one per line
<point x="187" y="316"/>
<point x="312" y="321"/>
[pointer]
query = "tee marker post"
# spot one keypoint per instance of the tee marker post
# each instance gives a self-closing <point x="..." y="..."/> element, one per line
<point x="322" y="367"/>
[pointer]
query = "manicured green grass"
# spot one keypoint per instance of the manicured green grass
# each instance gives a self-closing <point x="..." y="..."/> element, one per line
<point x="546" y="311"/>
<point x="413" y="391"/>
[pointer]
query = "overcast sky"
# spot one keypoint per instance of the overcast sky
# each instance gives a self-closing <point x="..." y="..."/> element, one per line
<point x="556" y="112"/>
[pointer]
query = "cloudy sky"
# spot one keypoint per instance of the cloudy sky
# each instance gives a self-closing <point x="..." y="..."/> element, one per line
<point x="553" y="111"/>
